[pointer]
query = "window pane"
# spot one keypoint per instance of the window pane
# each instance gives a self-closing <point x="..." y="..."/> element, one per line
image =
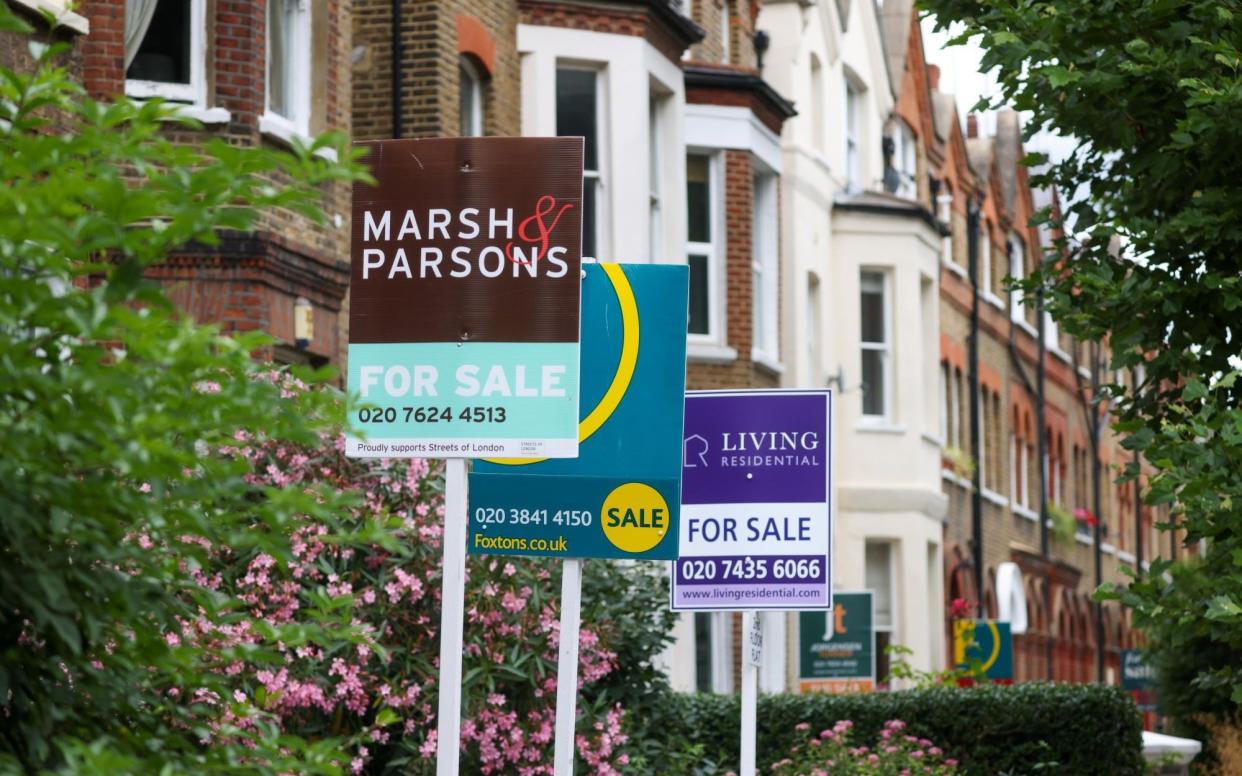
<point x="278" y="29"/>
<point x="469" y="111"/>
<point x="703" y="651"/>
<point x="164" y="54"/>
<point x="878" y="575"/>
<point x="698" y="194"/>
<point x="873" y="382"/>
<point x="698" y="294"/>
<point x="588" y="216"/>
<point x="872" y="305"/>
<point x="575" y="110"/>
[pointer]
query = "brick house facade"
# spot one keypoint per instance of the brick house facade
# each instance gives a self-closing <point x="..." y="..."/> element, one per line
<point x="210" y="58"/>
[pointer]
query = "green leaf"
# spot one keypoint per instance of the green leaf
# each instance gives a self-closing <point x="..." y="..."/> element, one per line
<point x="1222" y="607"/>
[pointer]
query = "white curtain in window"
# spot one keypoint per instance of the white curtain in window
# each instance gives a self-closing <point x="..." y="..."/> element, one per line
<point x="138" y="15"/>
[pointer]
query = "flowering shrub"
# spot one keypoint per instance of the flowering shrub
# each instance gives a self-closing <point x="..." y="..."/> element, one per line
<point x="380" y="696"/>
<point x="894" y="754"/>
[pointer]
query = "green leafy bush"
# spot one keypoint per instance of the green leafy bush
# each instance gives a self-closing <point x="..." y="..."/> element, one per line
<point x="1025" y="728"/>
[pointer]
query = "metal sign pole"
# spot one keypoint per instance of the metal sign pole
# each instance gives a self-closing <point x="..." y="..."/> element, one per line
<point x="751" y="621"/>
<point x="567" y="666"/>
<point x="452" y="610"/>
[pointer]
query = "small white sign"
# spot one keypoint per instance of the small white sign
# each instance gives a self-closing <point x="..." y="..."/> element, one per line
<point x="754" y="639"/>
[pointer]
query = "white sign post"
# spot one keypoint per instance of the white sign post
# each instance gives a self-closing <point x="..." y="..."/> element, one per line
<point x="567" y="666"/>
<point x="452" y="610"/>
<point x="752" y="654"/>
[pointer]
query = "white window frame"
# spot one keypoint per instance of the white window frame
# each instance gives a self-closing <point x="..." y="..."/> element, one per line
<point x="884" y="347"/>
<point x="853" y="136"/>
<point x="195" y="92"/>
<point x="982" y="432"/>
<point x="1014" y="471"/>
<point x="299" y="69"/>
<point x="726" y="53"/>
<point x="720" y="652"/>
<point x="764" y="342"/>
<point x="813" y="333"/>
<point x="1017" y="271"/>
<point x="893" y="593"/>
<point x="655" y="159"/>
<point x="714" y="250"/>
<point x="944" y="202"/>
<point x="946" y="427"/>
<point x="818" y="124"/>
<point x="470" y="82"/>
<point x="905" y="160"/>
<point x="594" y="178"/>
<point x="985" y="258"/>
<point x="955" y="406"/>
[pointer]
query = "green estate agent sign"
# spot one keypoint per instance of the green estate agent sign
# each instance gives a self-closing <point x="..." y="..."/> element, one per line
<point x="464" y="298"/>
<point x="837" y="647"/>
<point x="621" y="497"/>
<point x="987" y="643"/>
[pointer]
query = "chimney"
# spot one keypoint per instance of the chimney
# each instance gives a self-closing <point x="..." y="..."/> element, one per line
<point x="972" y="125"/>
<point x="933" y="77"/>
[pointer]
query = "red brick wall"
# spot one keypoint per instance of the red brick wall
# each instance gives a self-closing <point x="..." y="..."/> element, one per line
<point x="431" y="47"/>
<point x="252" y="280"/>
<point x="601" y="17"/>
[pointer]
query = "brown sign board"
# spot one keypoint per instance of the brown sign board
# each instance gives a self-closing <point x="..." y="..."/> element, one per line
<point x="466" y="255"/>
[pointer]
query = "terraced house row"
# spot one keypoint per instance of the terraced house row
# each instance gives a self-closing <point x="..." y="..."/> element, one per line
<point x="843" y="224"/>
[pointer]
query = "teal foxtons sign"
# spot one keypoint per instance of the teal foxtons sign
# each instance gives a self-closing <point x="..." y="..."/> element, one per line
<point x="837" y="647"/>
<point x="985" y="643"/>
<point x="621" y="497"/>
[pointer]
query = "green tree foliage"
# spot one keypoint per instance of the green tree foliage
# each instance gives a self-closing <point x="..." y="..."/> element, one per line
<point x="114" y="410"/>
<point x="1152" y="90"/>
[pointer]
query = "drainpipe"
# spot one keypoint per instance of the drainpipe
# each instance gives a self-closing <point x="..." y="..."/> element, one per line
<point x="976" y="499"/>
<point x="1095" y="499"/>
<point x="1037" y="392"/>
<point x="396" y="68"/>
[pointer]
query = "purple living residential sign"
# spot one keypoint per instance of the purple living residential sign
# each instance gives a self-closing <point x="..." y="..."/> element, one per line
<point x="756" y="501"/>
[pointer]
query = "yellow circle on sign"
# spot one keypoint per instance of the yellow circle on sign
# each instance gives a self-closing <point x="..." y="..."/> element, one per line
<point x="635" y="517"/>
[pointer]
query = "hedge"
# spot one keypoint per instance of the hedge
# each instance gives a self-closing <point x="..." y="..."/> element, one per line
<point x="1080" y="729"/>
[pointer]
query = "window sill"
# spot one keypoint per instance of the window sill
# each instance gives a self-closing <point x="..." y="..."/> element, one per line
<point x="768" y="364"/>
<point x="956" y="479"/>
<point x="1028" y="328"/>
<point x="710" y="353"/>
<point x="1108" y="548"/>
<point x="995" y="497"/>
<point x="878" y="426"/>
<point x="954" y="268"/>
<point x="282" y="131"/>
<point x="1125" y="557"/>
<point x="932" y="439"/>
<point x="993" y="300"/>
<point x="1061" y="354"/>
<point x="204" y="115"/>
<point x="1026" y="513"/>
<point x="64" y="18"/>
<point x="1082" y="539"/>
